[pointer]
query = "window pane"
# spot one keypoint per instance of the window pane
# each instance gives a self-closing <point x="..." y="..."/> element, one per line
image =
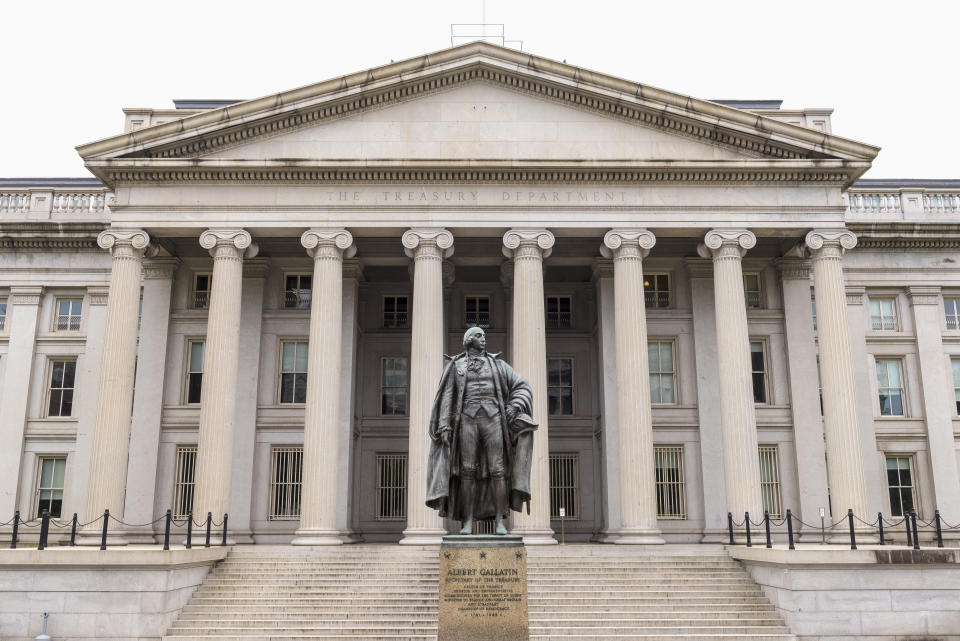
<point x="300" y="388"/>
<point x="69" y="371"/>
<point x="895" y="503"/>
<point x="882" y="377"/>
<point x="301" y="363"/>
<point x="756" y="356"/>
<point x="56" y="379"/>
<point x="553" y="396"/>
<point x="759" y="389"/>
<point x="54" y="408"/>
<point x="196" y="356"/>
<point x="194" y="386"/>
<point x="286" y="388"/>
<point x="289" y="354"/>
<point x="66" y="406"/>
<point x="59" y="469"/>
<point x="46" y="473"/>
<point x="666" y="389"/>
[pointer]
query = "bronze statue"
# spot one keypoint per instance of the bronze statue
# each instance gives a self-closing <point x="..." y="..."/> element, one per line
<point x="481" y="434"/>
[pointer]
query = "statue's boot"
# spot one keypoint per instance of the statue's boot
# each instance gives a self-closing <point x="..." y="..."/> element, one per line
<point x="466" y="494"/>
<point x="500" y="502"/>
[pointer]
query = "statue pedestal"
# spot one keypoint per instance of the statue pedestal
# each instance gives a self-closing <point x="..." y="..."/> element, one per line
<point x="483" y="588"/>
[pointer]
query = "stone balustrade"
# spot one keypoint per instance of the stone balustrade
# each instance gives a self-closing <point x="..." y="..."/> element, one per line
<point x="44" y="202"/>
<point x="911" y="202"/>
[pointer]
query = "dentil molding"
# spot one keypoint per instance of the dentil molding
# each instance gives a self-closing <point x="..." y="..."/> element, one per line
<point x="614" y="239"/>
<point x="413" y="238"/>
<point x="542" y="238"/>
<point x="330" y="236"/>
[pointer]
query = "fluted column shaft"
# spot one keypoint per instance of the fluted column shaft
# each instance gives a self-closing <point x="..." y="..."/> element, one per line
<point x="528" y="248"/>
<point x="213" y="474"/>
<point x="841" y="424"/>
<point x="427" y="247"/>
<point x="741" y="462"/>
<point x="111" y="432"/>
<point x="321" y="428"/>
<point x="638" y="499"/>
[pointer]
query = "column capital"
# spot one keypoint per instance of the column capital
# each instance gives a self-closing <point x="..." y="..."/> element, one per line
<point x="718" y="242"/>
<point x="924" y="295"/>
<point x="20" y="295"/>
<point x="98" y="295"/>
<point x="540" y="239"/>
<point x="824" y="242"/>
<point x="237" y="241"/>
<point x="793" y="269"/>
<point x="335" y="238"/>
<point x="417" y="238"/>
<point x="627" y="243"/>
<point x="160" y="268"/>
<point x="129" y="242"/>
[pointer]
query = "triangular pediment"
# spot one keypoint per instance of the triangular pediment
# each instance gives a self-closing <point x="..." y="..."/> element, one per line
<point x="477" y="102"/>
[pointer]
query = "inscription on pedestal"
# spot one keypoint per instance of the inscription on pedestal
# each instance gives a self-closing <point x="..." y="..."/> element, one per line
<point x="483" y="589"/>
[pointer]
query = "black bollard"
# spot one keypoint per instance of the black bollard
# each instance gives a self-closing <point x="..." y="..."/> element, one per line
<point x="44" y="530"/>
<point x="880" y="522"/>
<point x="73" y="530"/>
<point x="916" y="537"/>
<point x="189" y="543"/>
<point x="906" y="519"/>
<point x="730" y="526"/>
<point x="853" y="537"/>
<point x="766" y="526"/>
<point x="936" y="519"/>
<point x="16" y="528"/>
<point x="790" y="529"/>
<point x="223" y="536"/>
<point x="746" y="521"/>
<point x="206" y="541"/>
<point x="166" y="530"/>
<point x="106" y="524"/>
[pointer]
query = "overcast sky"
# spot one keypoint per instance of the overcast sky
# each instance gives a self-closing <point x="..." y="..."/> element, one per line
<point x="889" y="69"/>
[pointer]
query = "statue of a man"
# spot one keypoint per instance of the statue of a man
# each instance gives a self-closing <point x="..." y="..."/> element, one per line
<point x="481" y="434"/>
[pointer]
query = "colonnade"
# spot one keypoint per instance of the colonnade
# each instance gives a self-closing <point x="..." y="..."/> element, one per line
<point x="527" y="249"/>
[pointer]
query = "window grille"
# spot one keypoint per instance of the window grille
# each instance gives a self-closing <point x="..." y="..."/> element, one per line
<point x="656" y="290"/>
<point x="759" y="370"/>
<point x="195" y="351"/>
<point x="293" y="371"/>
<point x="3" y="313"/>
<point x="395" y="311"/>
<point x="477" y="311"/>
<point x="956" y="382"/>
<point x="671" y="490"/>
<point x="201" y="290"/>
<point x="183" y="481"/>
<point x="68" y="314"/>
<point x="883" y="314"/>
<point x="559" y="312"/>
<point x="662" y="378"/>
<point x="50" y="485"/>
<point x="900" y="485"/>
<point x="889" y="386"/>
<point x="560" y="385"/>
<point x="770" y="480"/>
<point x="565" y="486"/>
<point x="751" y="290"/>
<point x="62" y="381"/>
<point x="286" y="469"/>
<point x="297" y="291"/>
<point x="391" y="487"/>
<point x="951" y="309"/>
<point x="393" y="386"/>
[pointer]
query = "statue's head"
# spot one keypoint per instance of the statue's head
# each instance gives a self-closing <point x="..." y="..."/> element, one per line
<point x="476" y="338"/>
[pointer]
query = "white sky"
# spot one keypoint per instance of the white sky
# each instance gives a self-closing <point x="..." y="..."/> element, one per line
<point x="889" y="69"/>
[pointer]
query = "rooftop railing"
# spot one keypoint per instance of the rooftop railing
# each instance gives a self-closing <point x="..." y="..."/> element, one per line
<point x="904" y="203"/>
<point x="44" y="201"/>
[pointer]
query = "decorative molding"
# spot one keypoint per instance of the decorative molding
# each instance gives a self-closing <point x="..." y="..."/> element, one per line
<point x="414" y="237"/>
<point x="256" y="268"/>
<point x="25" y="295"/>
<point x="98" y="295"/>
<point x="601" y="268"/>
<point x="239" y="239"/>
<point x="924" y="295"/>
<point x="793" y="269"/>
<point x="50" y="244"/>
<point x="353" y="269"/>
<point x="716" y="239"/>
<point x="700" y="268"/>
<point x="160" y="268"/>
<point x="338" y="238"/>
<point x="855" y="294"/>
<point x="543" y="239"/>
<point x="615" y="239"/>
<point x="840" y="239"/>
<point x="113" y="239"/>
<point x="909" y="243"/>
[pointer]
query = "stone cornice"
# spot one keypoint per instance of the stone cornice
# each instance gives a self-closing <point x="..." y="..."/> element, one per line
<point x="25" y="295"/>
<point x="855" y="294"/>
<point x="256" y="268"/>
<point x="924" y="295"/>
<point x="793" y="269"/>
<point x="699" y="268"/>
<point x="98" y="295"/>
<point x="160" y="268"/>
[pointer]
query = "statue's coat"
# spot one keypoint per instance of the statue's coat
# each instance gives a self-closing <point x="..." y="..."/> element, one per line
<point x="443" y="465"/>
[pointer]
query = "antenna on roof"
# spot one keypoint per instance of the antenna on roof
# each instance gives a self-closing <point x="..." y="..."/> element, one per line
<point x="492" y="32"/>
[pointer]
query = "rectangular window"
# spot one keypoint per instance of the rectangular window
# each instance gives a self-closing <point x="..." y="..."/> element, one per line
<point x="956" y="382"/>
<point x="293" y="371"/>
<point x="68" y="314"/>
<point x="476" y="311"/>
<point x="3" y="313"/>
<point x="296" y="291"/>
<point x="62" y="381"/>
<point x="183" y="481"/>
<point x="671" y="495"/>
<point x="393" y="386"/>
<point x="286" y="466"/>
<point x="560" y="385"/>
<point x="201" y="290"/>
<point x="662" y="373"/>
<point x="883" y="314"/>
<point x="559" y="309"/>
<point x="395" y="312"/>
<point x="770" y="480"/>
<point x="758" y="363"/>
<point x="391" y="487"/>
<point x="656" y="290"/>
<point x="565" y="486"/>
<point x="889" y="386"/>
<point x="751" y="290"/>
<point x="50" y="485"/>
<point x="951" y="309"/>
<point x="900" y="485"/>
<point x="194" y="370"/>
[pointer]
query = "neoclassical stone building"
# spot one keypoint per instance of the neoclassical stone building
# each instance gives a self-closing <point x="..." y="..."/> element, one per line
<point x="246" y="311"/>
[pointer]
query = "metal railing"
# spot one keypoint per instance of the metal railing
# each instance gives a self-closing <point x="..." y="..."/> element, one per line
<point x="201" y="300"/>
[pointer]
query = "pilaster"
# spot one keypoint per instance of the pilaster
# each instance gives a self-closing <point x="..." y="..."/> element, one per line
<point x="609" y="418"/>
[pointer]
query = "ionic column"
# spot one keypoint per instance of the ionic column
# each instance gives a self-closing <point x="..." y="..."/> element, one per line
<point x="321" y="428"/>
<point x="638" y="498"/>
<point x="428" y="248"/>
<point x="528" y="248"/>
<point x="221" y="356"/>
<point x="111" y="432"/>
<point x="741" y="462"/>
<point x="607" y="372"/>
<point x="841" y="424"/>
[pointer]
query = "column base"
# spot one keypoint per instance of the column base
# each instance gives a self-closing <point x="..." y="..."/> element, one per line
<point x="605" y="536"/>
<point x="423" y="536"/>
<point x="715" y="536"/>
<point x="536" y="537"/>
<point x="639" y="537"/>
<point x="316" y="537"/>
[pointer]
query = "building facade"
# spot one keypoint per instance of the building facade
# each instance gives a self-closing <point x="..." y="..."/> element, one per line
<point x="246" y="311"/>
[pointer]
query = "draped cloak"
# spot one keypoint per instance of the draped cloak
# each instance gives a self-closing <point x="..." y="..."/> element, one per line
<point x="444" y="464"/>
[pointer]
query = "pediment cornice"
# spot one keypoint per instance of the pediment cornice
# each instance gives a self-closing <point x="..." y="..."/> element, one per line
<point x="202" y="134"/>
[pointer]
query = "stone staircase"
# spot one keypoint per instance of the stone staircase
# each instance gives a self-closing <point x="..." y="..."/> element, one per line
<point x="380" y="592"/>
